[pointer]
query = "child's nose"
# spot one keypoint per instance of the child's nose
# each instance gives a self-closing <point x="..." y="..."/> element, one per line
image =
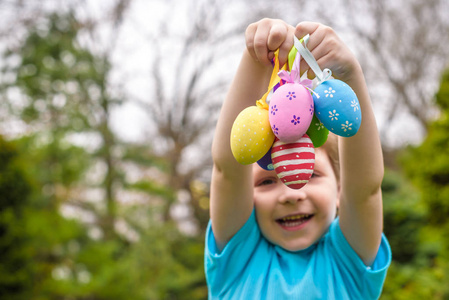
<point x="289" y="195"/>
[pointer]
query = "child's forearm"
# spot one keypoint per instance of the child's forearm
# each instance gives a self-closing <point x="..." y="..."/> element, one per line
<point x="232" y="186"/>
<point x="362" y="171"/>
<point x="249" y="85"/>
<point x="361" y="155"/>
<point x="232" y="183"/>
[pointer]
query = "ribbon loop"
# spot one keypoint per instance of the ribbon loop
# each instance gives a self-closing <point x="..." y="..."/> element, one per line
<point x="326" y="74"/>
<point x="310" y="59"/>
<point x="294" y="76"/>
<point x="286" y="76"/>
<point x="262" y="103"/>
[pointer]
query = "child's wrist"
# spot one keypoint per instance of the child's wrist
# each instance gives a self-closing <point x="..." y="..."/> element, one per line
<point x="354" y="76"/>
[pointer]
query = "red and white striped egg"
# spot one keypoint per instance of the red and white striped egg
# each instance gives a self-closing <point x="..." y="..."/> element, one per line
<point x="294" y="162"/>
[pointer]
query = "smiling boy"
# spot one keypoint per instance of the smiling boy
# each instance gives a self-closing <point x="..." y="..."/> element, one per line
<point x="296" y="219"/>
<point x="268" y="241"/>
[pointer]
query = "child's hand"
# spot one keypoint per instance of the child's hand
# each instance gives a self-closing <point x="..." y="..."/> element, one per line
<point x="329" y="51"/>
<point x="264" y="37"/>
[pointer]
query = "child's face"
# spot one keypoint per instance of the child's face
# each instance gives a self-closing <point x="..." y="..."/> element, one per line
<point x="296" y="219"/>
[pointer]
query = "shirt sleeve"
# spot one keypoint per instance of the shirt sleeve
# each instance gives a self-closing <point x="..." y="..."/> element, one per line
<point x="223" y="267"/>
<point x="373" y="276"/>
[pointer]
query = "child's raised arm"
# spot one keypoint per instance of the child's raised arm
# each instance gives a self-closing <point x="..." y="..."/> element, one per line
<point x="361" y="161"/>
<point x="232" y="183"/>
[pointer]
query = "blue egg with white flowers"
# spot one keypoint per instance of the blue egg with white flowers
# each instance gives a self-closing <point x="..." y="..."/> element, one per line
<point x="337" y="107"/>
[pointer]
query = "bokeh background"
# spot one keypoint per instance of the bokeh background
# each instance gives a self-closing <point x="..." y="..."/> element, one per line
<point x="107" y="112"/>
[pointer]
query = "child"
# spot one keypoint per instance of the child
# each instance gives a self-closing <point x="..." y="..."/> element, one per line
<point x="267" y="241"/>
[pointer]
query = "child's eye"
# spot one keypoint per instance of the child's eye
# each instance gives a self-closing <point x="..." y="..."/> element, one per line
<point x="267" y="181"/>
<point x="315" y="174"/>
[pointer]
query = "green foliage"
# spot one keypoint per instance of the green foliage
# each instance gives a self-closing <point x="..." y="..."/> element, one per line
<point x="153" y="189"/>
<point x="63" y="90"/>
<point x="15" y="258"/>
<point x="421" y="238"/>
<point x="428" y="164"/>
<point x="59" y="78"/>
<point x="53" y="162"/>
<point x="174" y="264"/>
<point x="14" y="188"/>
<point x="140" y="154"/>
<point x="442" y="97"/>
<point x="412" y="274"/>
<point x="404" y="215"/>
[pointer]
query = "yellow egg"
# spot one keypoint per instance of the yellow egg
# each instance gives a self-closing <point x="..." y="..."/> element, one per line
<point x="251" y="135"/>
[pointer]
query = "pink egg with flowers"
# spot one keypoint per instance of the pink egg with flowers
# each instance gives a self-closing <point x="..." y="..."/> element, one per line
<point x="291" y="111"/>
<point x="294" y="162"/>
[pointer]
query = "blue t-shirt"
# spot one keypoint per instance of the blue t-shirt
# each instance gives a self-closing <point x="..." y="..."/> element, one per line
<point x="250" y="267"/>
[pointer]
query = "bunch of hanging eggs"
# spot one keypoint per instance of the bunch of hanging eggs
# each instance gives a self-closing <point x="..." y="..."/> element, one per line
<point x="283" y="134"/>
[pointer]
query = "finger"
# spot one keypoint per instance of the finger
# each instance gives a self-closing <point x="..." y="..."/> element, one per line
<point x="276" y="37"/>
<point x="286" y="46"/>
<point x="301" y="30"/>
<point x="304" y="28"/>
<point x="320" y="44"/>
<point x="260" y="43"/>
<point x="278" y="33"/>
<point x="322" y="58"/>
<point x="249" y="39"/>
<point x="323" y="55"/>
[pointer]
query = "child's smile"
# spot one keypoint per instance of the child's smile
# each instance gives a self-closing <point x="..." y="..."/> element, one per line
<point x="294" y="222"/>
<point x="296" y="219"/>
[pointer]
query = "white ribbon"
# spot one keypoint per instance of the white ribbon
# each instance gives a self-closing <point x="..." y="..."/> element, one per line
<point x="310" y="60"/>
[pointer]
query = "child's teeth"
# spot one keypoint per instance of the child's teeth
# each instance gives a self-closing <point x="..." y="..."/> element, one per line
<point x="297" y="217"/>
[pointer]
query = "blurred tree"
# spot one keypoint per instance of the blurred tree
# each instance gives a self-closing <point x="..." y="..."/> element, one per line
<point x="404" y="215"/>
<point x="422" y="269"/>
<point x="64" y="99"/>
<point x="16" y="258"/>
<point x="64" y="93"/>
<point x="187" y="92"/>
<point x="402" y="47"/>
<point x="82" y="169"/>
<point x="428" y="164"/>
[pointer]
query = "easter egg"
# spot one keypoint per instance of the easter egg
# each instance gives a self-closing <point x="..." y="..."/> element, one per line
<point x="337" y="107"/>
<point x="251" y="136"/>
<point x="265" y="162"/>
<point x="294" y="162"/>
<point x="291" y="111"/>
<point x="317" y="132"/>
